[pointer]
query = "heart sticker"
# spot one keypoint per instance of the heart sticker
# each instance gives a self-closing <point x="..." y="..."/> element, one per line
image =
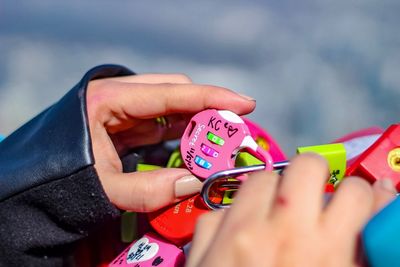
<point x="141" y="251"/>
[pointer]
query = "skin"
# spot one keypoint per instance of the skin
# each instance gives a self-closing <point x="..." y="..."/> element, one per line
<point x="283" y="221"/>
<point x="275" y="221"/>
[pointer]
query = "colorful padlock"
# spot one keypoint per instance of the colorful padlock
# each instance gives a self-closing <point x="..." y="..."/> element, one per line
<point x="176" y="223"/>
<point x="381" y="160"/>
<point x="335" y="155"/>
<point x="212" y="140"/>
<point x="149" y="251"/>
<point x="265" y="140"/>
<point x="359" y="141"/>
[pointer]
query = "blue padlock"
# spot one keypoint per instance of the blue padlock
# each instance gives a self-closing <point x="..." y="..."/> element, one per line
<point x="381" y="237"/>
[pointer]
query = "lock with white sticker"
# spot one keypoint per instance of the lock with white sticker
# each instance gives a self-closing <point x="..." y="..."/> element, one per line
<point x="212" y="140"/>
<point x="148" y="251"/>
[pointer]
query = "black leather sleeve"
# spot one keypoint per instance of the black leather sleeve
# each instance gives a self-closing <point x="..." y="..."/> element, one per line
<point x="50" y="194"/>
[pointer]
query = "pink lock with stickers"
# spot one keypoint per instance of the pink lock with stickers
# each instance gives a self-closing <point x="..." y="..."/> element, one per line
<point x="212" y="140"/>
<point x="149" y="251"/>
<point x="257" y="132"/>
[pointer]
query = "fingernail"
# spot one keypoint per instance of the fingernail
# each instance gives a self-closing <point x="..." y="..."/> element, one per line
<point x="387" y="185"/>
<point x="187" y="185"/>
<point x="247" y="97"/>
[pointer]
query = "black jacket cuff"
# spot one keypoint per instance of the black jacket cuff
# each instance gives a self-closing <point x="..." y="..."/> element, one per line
<point x="54" y="144"/>
<point x="50" y="194"/>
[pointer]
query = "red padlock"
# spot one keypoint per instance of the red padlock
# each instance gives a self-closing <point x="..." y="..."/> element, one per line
<point x="176" y="223"/>
<point x="381" y="160"/>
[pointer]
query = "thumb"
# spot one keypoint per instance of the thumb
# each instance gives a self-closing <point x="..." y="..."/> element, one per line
<point x="150" y="190"/>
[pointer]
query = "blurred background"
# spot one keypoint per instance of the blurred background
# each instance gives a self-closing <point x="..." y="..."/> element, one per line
<point x="318" y="69"/>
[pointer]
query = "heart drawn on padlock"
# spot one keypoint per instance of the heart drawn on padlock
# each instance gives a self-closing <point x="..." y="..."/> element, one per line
<point x="231" y="130"/>
<point x="141" y="251"/>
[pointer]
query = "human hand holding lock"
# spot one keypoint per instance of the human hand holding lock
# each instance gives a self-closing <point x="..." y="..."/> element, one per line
<point x="122" y="115"/>
<point x="283" y="220"/>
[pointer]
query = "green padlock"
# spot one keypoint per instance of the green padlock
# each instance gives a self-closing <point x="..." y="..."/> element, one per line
<point x="129" y="227"/>
<point x="141" y="167"/>
<point x="175" y="160"/>
<point x="129" y="219"/>
<point x="246" y="159"/>
<point x="228" y="196"/>
<point x="335" y="154"/>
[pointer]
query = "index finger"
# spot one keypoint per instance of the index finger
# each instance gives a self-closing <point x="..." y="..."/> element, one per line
<point x="126" y="100"/>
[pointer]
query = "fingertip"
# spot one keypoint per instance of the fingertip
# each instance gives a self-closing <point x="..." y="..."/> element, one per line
<point x="310" y="158"/>
<point x="386" y="185"/>
<point x="246" y="97"/>
<point x="187" y="185"/>
<point x="357" y="185"/>
<point x="384" y="192"/>
<point x="350" y="207"/>
<point x="357" y="191"/>
<point x="148" y="190"/>
<point x="224" y="98"/>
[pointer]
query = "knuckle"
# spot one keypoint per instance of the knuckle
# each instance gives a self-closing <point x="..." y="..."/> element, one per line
<point x="97" y="85"/>
<point x="97" y="93"/>
<point x="244" y="239"/>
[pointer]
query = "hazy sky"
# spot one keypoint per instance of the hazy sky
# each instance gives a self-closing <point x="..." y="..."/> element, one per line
<point x="318" y="69"/>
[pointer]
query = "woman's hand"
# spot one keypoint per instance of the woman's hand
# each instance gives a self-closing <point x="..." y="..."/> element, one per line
<point x="122" y="114"/>
<point x="284" y="222"/>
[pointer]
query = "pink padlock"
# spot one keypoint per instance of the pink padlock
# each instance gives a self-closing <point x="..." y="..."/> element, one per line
<point x="212" y="140"/>
<point x="149" y="251"/>
<point x="257" y="132"/>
